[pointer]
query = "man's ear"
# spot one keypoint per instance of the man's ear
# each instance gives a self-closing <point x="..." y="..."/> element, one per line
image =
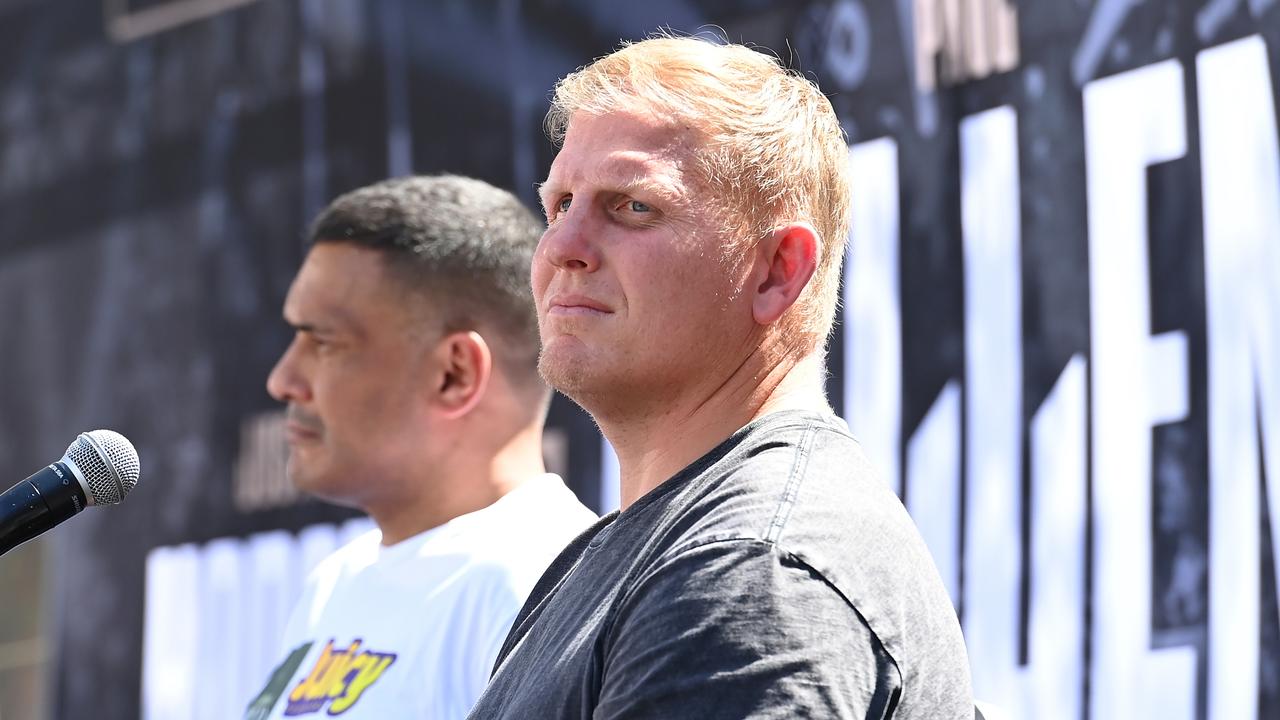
<point x="785" y="260"/>
<point x="464" y="365"/>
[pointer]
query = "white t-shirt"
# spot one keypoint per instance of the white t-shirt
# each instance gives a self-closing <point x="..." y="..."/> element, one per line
<point x="412" y="630"/>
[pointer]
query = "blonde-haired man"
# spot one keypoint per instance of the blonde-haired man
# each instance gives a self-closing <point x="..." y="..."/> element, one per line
<point x="685" y="287"/>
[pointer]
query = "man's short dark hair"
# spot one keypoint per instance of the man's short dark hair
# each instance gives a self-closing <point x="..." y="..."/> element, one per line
<point x="464" y="243"/>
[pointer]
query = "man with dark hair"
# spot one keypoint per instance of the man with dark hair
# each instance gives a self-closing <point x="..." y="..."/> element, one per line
<point x="413" y="394"/>
<point x="686" y="285"/>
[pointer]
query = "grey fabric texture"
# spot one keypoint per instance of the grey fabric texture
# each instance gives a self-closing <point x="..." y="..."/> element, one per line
<point x="776" y="577"/>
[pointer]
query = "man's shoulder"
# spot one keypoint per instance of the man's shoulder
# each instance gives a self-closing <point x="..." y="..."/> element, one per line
<point x="546" y="500"/>
<point x="815" y="495"/>
<point x="809" y="449"/>
<point x="353" y="555"/>
<point x="800" y="485"/>
<point x="796" y="500"/>
<point x="524" y="531"/>
<point x="789" y="470"/>
<point x="793" y="489"/>
<point x="541" y="514"/>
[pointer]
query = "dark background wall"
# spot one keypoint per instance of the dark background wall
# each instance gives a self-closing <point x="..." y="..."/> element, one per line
<point x="157" y="172"/>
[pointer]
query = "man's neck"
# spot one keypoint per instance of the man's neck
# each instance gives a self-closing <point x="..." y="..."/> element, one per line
<point x="464" y="482"/>
<point x="655" y="446"/>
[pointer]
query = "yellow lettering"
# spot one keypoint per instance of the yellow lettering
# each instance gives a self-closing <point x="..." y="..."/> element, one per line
<point x="372" y="667"/>
<point x="306" y="689"/>
<point x="335" y="678"/>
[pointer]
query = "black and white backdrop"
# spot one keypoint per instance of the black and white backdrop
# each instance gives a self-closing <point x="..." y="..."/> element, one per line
<point x="1060" y="337"/>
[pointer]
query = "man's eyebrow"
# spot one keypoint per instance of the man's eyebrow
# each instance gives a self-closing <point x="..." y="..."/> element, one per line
<point x="625" y="183"/>
<point x="310" y="327"/>
<point x="631" y="175"/>
<point x="544" y="189"/>
<point x="648" y="186"/>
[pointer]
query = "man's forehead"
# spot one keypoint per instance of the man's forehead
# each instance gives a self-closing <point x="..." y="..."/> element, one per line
<point x="620" y="170"/>
<point x="617" y="166"/>
<point x="338" y="285"/>
<point x="317" y="304"/>
<point x="626" y="139"/>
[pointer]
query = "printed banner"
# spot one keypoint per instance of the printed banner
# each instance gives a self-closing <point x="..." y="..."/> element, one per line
<point x="1060" y="335"/>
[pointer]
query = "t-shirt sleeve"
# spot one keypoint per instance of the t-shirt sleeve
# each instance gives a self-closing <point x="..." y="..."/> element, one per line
<point x="740" y="629"/>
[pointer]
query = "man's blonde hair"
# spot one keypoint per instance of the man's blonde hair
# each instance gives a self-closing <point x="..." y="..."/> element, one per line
<point x="770" y="147"/>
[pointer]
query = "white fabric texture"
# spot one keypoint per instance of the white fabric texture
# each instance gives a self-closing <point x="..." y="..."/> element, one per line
<point x="412" y="630"/>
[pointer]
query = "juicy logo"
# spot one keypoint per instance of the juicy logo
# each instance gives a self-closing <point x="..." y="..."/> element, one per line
<point x="338" y="680"/>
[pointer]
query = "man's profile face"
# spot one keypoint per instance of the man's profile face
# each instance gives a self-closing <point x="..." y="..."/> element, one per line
<point x="352" y="377"/>
<point x="635" y="296"/>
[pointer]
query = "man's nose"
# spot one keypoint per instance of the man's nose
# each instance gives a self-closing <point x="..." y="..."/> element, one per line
<point x="571" y="243"/>
<point x="285" y="383"/>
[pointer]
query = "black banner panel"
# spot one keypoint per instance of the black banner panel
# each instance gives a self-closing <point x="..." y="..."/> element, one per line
<point x="1059" y="337"/>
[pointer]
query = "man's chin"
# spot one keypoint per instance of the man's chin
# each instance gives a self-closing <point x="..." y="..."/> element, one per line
<point x="308" y="479"/>
<point x="590" y="385"/>
<point x="572" y="376"/>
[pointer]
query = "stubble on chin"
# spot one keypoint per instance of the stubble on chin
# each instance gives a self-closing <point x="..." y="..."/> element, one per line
<point x="562" y="373"/>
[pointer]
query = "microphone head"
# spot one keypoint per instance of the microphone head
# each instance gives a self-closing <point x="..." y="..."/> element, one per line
<point x="108" y="463"/>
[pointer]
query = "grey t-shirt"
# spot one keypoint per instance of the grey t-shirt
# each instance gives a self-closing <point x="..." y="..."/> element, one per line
<point x="775" y="577"/>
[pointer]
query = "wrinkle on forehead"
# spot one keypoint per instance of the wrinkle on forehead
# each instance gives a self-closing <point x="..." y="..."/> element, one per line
<point x="640" y="173"/>
<point x="643" y="154"/>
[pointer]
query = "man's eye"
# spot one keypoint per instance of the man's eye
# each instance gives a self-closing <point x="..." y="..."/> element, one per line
<point x="318" y="344"/>
<point x="563" y="205"/>
<point x="637" y="206"/>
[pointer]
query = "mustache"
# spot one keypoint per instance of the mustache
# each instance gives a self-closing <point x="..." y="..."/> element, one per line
<point x="304" y="419"/>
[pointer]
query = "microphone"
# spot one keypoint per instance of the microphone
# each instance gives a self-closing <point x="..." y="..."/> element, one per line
<point x="99" y="468"/>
